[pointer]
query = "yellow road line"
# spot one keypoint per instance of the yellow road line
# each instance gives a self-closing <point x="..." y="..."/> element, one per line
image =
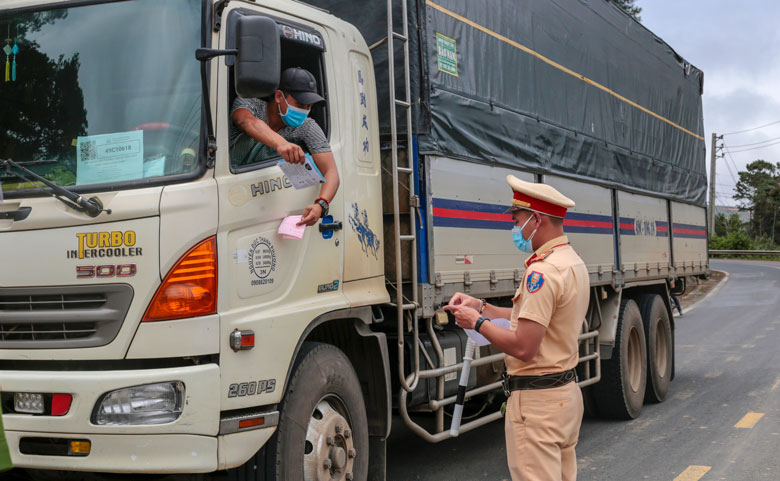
<point x="749" y="420"/>
<point x="693" y="473"/>
<point x="776" y="384"/>
<point x="556" y="65"/>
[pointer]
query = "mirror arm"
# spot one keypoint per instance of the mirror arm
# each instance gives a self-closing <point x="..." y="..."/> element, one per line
<point x="204" y="55"/>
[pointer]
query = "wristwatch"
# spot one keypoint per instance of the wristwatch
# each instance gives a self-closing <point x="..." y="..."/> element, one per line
<point x="324" y="204"/>
<point x="479" y="323"/>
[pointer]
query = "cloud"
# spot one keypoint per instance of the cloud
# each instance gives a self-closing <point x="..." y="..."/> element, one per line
<point x="737" y="46"/>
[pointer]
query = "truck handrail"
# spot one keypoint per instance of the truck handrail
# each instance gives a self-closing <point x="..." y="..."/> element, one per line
<point x="592" y="337"/>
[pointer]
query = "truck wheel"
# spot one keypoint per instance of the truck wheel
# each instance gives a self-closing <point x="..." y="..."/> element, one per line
<point x="323" y="432"/>
<point x="658" y="331"/>
<point x="621" y="392"/>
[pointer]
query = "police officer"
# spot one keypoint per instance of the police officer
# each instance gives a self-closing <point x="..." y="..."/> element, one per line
<point x="544" y="409"/>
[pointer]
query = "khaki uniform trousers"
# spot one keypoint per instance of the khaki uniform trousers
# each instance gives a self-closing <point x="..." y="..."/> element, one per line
<point x="542" y="427"/>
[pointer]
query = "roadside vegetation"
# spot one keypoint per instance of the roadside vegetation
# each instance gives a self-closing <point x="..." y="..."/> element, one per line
<point x="758" y="193"/>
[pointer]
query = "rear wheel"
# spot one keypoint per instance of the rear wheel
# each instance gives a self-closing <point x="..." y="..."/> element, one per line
<point x="658" y="331"/>
<point x="323" y="432"/>
<point x="621" y="392"/>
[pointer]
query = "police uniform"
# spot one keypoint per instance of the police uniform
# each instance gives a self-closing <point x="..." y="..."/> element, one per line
<point x="543" y="415"/>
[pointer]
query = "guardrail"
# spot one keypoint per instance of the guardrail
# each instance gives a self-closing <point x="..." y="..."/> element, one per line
<point x="744" y="253"/>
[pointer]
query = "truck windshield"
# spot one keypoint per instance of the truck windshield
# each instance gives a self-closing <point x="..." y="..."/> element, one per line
<point x="103" y="93"/>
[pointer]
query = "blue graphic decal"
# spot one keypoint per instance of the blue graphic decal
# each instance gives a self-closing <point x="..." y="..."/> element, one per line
<point x="359" y="222"/>
<point x="534" y="282"/>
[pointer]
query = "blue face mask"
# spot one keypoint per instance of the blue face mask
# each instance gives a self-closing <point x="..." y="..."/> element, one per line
<point x="294" y="116"/>
<point x="520" y="241"/>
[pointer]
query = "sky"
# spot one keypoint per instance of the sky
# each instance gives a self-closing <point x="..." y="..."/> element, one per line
<point x="737" y="46"/>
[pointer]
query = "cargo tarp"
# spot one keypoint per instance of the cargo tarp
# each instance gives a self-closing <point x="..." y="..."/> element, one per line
<point x="567" y="87"/>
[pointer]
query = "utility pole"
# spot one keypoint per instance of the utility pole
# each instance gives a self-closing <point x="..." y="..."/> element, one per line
<point x="712" y="185"/>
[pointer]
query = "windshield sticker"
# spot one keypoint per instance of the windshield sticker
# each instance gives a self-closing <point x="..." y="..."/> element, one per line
<point x="110" y="157"/>
<point x="105" y="244"/>
<point x="359" y="222"/>
<point x="262" y="261"/>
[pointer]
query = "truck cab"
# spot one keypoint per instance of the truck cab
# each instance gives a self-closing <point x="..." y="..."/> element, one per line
<point x="157" y="334"/>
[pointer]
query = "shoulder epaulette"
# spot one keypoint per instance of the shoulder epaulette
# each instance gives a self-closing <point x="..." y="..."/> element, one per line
<point x="535" y="258"/>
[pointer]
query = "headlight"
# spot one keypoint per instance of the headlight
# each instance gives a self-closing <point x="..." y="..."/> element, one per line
<point x="148" y="404"/>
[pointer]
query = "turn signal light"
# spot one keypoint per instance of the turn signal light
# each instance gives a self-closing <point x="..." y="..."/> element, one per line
<point x="79" y="448"/>
<point x="190" y="288"/>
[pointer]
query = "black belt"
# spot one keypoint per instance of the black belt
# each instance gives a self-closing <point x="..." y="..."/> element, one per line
<point x="523" y="383"/>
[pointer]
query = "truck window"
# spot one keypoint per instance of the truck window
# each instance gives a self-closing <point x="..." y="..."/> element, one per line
<point x="293" y="55"/>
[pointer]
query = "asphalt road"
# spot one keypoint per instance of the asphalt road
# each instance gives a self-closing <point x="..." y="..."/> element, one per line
<point x="727" y="367"/>
<point x="727" y="375"/>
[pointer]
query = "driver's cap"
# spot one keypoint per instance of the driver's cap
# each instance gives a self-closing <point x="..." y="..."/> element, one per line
<point x="301" y="84"/>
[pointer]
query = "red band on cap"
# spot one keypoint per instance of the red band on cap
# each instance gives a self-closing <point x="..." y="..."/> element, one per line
<point x="540" y="205"/>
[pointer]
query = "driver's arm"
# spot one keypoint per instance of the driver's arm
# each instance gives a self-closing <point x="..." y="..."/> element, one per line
<point x="261" y="132"/>
<point x="327" y="165"/>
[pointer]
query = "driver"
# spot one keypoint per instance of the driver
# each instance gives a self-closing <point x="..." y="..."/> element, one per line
<point x="279" y="126"/>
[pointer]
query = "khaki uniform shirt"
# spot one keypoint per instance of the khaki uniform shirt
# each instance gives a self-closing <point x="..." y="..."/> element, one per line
<point x="555" y="293"/>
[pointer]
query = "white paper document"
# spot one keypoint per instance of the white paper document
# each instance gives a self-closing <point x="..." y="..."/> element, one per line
<point x="479" y="338"/>
<point x="302" y="175"/>
<point x="110" y="157"/>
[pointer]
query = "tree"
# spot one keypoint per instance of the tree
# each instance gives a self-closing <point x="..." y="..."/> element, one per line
<point x="758" y="190"/>
<point x="629" y="7"/>
<point x="42" y="112"/>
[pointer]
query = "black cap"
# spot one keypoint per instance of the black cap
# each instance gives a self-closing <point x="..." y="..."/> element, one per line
<point x="300" y="83"/>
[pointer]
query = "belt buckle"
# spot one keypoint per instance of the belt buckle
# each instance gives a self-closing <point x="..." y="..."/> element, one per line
<point x="505" y="383"/>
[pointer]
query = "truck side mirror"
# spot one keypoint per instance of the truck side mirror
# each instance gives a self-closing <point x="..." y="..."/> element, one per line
<point x="258" y="64"/>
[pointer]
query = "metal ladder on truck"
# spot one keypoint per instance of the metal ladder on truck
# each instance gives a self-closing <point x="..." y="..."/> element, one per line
<point x="406" y="308"/>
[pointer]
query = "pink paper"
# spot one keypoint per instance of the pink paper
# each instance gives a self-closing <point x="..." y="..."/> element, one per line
<point x="289" y="230"/>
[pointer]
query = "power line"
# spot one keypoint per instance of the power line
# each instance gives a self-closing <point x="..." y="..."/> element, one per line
<point x="754" y="143"/>
<point x="754" y="128"/>
<point x="754" y="148"/>
<point x="734" y="164"/>
<point x="731" y="172"/>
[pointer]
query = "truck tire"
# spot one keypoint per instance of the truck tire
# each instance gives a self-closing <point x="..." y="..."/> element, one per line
<point x="621" y="391"/>
<point x="658" y="332"/>
<point x="322" y="432"/>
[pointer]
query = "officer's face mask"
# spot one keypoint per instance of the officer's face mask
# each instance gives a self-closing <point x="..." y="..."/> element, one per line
<point x="294" y="116"/>
<point x="520" y="241"/>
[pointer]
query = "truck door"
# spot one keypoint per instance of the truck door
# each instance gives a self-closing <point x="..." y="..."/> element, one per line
<point x="270" y="284"/>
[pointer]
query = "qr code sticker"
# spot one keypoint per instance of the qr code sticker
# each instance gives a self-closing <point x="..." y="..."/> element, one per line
<point x="88" y="150"/>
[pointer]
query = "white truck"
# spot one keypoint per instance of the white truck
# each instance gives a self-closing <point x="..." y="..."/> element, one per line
<point x="152" y="320"/>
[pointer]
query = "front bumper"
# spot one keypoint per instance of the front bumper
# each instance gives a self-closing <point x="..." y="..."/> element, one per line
<point x="117" y="453"/>
<point x="188" y="444"/>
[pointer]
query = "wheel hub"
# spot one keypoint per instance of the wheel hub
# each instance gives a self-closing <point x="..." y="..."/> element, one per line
<point x="329" y="451"/>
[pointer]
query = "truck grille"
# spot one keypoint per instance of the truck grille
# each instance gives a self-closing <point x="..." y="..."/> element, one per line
<point x="62" y="317"/>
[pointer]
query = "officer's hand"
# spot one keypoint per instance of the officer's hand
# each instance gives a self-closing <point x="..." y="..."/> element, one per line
<point x="311" y="215"/>
<point x="461" y="299"/>
<point x="465" y="317"/>
<point x="292" y="153"/>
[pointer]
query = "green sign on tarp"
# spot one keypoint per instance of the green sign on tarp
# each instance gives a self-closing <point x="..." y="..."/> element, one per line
<point x="448" y="55"/>
<point x="5" y="456"/>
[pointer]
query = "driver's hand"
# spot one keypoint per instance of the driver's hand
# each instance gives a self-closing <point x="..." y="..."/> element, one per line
<point x="311" y="215"/>
<point x="292" y="153"/>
